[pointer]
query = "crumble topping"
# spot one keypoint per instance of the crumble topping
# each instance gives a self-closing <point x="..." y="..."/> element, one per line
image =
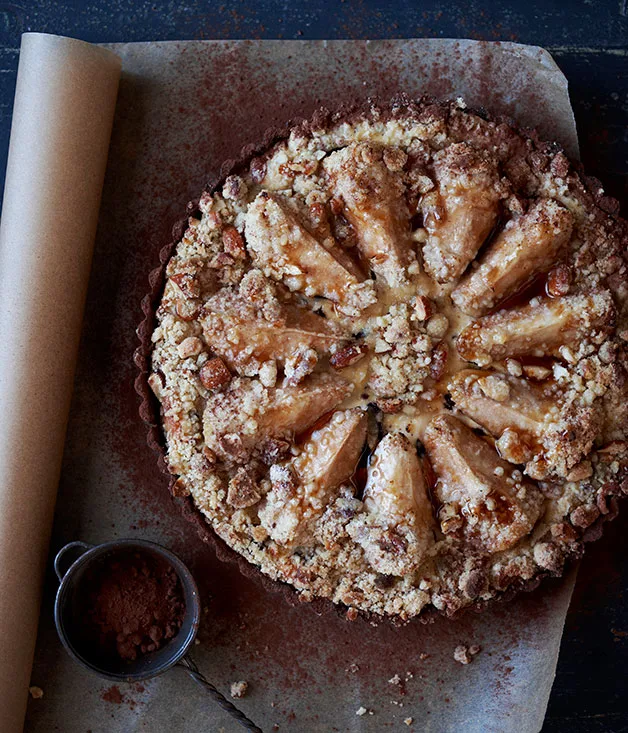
<point x="391" y="359"/>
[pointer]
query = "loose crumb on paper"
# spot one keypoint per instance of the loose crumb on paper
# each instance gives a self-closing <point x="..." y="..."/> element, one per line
<point x="363" y="711"/>
<point x="239" y="689"/>
<point x="396" y="680"/>
<point x="409" y="721"/>
<point x="464" y="654"/>
<point x="36" y="692"/>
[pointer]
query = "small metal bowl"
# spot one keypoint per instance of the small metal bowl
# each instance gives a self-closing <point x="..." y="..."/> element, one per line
<point x="67" y="602"/>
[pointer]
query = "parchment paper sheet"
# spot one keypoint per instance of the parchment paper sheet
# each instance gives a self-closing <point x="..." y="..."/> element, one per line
<point x="184" y="108"/>
<point x="65" y="100"/>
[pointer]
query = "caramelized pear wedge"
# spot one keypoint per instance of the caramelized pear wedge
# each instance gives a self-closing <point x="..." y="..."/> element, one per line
<point x="539" y="328"/>
<point x="374" y="204"/>
<point x="282" y="246"/>
<point x="484" y="498"/>
<point x="460" y="214"/>
<point x="240" y="336"/>
<point x="527" y="246"/>
<point x="533" y="424"/>
<point x="302" y="488"/>
<point x="396" y="530"/>
<point x="235" y="421"/>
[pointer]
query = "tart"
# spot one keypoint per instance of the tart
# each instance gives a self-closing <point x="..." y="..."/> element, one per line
<point x="390" y="357"/>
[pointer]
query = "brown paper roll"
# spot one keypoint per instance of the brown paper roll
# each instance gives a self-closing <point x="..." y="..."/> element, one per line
<point x="64" y="104"/>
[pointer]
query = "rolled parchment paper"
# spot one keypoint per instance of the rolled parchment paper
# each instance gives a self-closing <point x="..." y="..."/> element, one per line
<point x="64" y="104"/>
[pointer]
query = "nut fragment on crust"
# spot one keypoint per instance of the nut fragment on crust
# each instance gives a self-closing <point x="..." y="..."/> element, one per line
<point x="460" y="214"/>
<point x="214" y="373"/>
<point x="190" y="346"/>
<point x="233" y="243"/>
<point x="558" y="281"/>
<point x="348" y="356"/>
<point x="239" y="689"/>
<point x="243" y="490"/>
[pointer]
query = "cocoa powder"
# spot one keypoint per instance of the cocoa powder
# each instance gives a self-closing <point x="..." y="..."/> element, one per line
<point x="132" y="604"/>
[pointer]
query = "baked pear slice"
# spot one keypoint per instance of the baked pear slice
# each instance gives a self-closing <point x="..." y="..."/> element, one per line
<point x="533" y="424"/>
<point x="395" y="530"/>
<point x="528" y="245"/>
<point x="238" y="334"/>
<point x="302" y="488"/>
<point x="539" y="328"/>
<point x="374" y="204"/>
<point x="236" y="421"/>
<point x="282" y="246"/>
<point x="460" y="214"/>
<point x="484" y="499"/>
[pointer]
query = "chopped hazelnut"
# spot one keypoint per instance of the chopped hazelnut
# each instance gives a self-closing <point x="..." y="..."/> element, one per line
<point x="214" y="373"/>
<point x="348" y="356"/>
<point x="191" y="346"/>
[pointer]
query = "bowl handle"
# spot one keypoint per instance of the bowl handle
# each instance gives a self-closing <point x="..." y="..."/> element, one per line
<point x="71" y="545"/>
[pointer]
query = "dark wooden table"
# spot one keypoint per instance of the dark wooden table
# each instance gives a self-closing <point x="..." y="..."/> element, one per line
<point x="589" y="40"/>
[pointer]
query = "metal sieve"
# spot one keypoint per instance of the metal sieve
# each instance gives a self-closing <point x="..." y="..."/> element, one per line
<point x="173" y="653"/>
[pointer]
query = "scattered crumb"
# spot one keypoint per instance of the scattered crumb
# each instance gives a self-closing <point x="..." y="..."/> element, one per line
<point x="361" y="711"/>
<point x="396" y="680"/>
<point x="36" y="692"/>
<point x="197" y="642"/>
<point x="409" y="721"/>
<point x="423" y="656"/>
<point x="464" y="654"/>
<point x="272" y="704"/>
<point x="238" y="689"/>
<point x="353" y="668"/>
<point x="409" y="676"/>
<point x="396" y="702"/>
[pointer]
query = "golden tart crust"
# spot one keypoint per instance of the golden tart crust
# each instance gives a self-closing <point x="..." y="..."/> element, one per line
<point x="391" y="358"/>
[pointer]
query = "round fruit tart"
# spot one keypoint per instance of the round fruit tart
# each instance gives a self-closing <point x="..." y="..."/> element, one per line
<point x="391" y="358"/>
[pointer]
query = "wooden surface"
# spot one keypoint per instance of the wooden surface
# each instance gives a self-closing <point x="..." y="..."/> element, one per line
<point x="589" y="40"/>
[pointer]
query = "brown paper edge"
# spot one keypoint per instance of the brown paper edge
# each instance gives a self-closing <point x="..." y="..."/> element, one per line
<point x="63" y="115"/>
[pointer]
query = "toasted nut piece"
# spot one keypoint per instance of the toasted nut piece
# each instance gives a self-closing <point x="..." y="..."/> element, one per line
<point x="498" y="506"/>
<point x="233" y="243"/>
<point x="214" y="373"/>
<point x="328" y="459"/>
<point x="538" y="329"/>
<point x="248" y="412"/>
<point x="347" y="356"/>
<point x="423" y="308"/>
<point x="527" y="245"/>
<point x="190" y="346"/>
<point x="375" y="206"/>
<point x="439" y="361"/>
<point x="397" y="530"/>
<point x="187" y="283"/>
<point x="284" y="249"/>
<point x="467" y="204"/>
<point x="558" y="281"/>
<point x="156" y="383"/>
<point x="243" y="490"/>
<point x="240" y="336"/>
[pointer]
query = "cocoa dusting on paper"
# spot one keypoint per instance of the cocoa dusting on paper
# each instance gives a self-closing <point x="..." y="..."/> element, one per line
<point x="133" y="604"/>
